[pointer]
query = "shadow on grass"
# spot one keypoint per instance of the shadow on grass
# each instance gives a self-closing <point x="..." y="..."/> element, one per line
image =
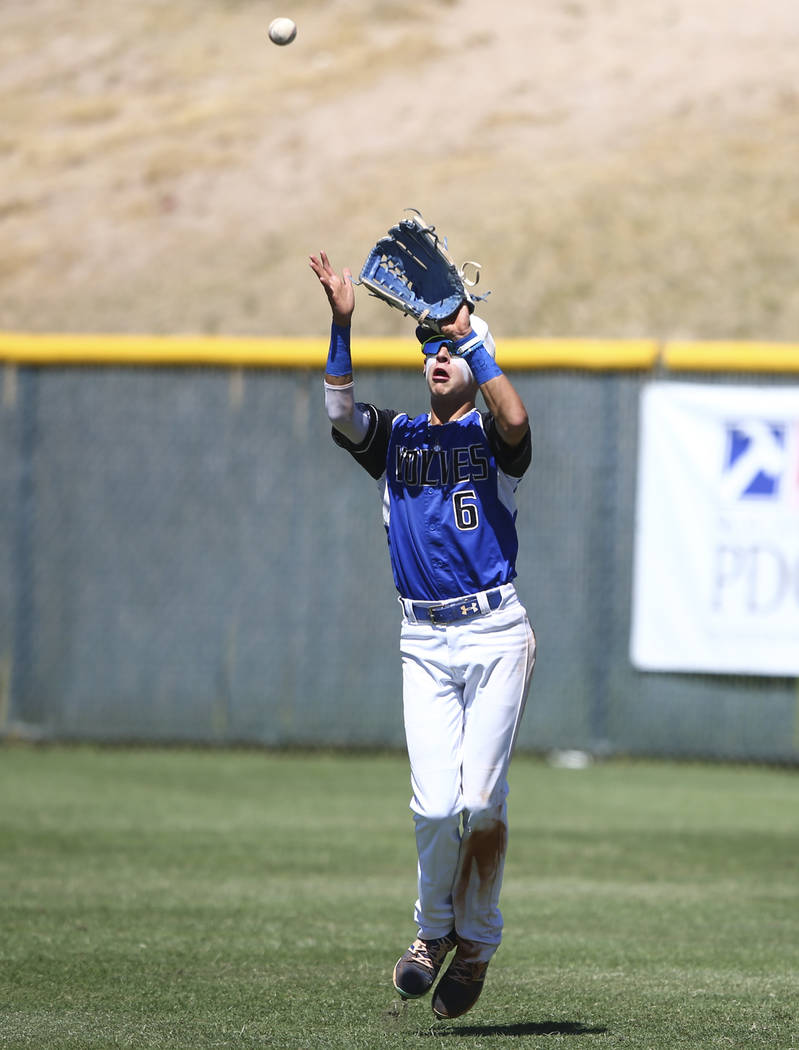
<point x="533" y="1028"/>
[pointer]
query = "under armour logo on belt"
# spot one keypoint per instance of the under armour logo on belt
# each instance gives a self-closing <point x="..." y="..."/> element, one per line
<point x="472" y="608"/>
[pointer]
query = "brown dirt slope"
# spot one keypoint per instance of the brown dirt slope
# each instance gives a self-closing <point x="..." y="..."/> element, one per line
<point x="619" y="167"/>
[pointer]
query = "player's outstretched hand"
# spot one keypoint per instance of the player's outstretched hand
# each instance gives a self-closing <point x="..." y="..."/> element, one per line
<point x="339" y="289"/>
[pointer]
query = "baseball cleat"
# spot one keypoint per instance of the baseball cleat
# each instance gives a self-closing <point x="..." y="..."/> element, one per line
<point x="418" y="967"/>
<point x="459" y="988"/>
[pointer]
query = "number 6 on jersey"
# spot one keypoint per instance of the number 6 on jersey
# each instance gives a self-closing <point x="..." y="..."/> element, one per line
<point x="464" y="503"/>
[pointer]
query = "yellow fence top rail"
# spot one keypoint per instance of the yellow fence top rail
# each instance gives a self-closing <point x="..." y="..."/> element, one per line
<point x="242" y="352"/>
<point x="186" y="351"/>
<point x="153" y="350"/>
<point x="731" y="356"/>
<point x="589" y="354"/>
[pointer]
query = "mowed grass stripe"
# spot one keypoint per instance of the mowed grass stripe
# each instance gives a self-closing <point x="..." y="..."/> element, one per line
<point x="171" y="899"/>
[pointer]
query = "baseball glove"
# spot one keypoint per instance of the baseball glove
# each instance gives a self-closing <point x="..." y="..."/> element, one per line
<point x="411" y="270"/>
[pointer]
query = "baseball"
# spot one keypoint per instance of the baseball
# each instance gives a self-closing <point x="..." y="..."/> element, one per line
<point x="282" y="31"/>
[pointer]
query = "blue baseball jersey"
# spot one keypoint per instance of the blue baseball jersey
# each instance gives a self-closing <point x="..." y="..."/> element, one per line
<point x="448" y="495"/>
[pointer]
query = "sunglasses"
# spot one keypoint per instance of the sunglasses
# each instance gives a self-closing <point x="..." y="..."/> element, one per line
<point x="431" y="346"/>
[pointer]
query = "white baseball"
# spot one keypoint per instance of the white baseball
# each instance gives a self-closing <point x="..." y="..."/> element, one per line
<point x="282" y="31"/>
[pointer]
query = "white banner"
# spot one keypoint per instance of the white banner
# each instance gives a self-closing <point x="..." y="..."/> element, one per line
<point x="716" y="572"/>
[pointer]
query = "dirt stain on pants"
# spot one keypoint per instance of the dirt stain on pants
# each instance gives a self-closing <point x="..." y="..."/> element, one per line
<point x="479" y="875"/>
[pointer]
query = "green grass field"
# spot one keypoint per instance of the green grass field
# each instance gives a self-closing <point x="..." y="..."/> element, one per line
<point x="195" y="899"/>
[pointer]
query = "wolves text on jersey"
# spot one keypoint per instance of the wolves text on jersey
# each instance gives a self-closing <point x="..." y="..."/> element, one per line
<point x="437" y="466"/>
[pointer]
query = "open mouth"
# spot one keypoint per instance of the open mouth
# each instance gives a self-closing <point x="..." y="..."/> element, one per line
<point x="440" y="374"/>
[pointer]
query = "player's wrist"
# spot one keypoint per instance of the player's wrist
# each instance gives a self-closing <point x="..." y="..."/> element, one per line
<point x="482" y="364"/>
<point x="472" y="349"/>
<point x="465" y="345"/>
<point x="339" y="358"/>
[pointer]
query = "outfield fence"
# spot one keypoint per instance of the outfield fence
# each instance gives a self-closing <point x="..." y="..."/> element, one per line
<point x="186" y="556"/>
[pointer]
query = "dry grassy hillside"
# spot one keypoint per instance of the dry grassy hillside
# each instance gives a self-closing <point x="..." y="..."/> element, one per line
<point x="619" y="167"/>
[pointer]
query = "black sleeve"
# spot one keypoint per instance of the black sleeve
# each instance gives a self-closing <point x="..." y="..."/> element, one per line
<point x="371" y="452"/>
<point x="512" y="459"/>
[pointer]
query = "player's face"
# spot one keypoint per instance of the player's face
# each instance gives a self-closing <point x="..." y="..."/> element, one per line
<point x="447" y="375"/>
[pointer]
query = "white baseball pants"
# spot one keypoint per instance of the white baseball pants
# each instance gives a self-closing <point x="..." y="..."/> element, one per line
<point x="464" y="689"/>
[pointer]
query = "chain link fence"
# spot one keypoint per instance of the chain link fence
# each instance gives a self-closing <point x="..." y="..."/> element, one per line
<point x="186" y="556"/>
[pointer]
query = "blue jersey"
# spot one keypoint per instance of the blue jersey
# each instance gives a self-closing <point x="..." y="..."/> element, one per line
<point x="448" y="500"/>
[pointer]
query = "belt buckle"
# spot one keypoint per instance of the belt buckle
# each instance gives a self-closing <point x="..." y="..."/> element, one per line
<point x="449" y="611"/>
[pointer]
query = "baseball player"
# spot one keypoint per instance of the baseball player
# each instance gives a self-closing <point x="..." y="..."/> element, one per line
<point x="447" y="480"/>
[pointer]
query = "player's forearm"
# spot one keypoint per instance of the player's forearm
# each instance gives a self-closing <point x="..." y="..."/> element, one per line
<point x="339" y="360"/>
<point x="500" y="395"/>
<point x="507" y="408"/>
<point x="347" y="417"/>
